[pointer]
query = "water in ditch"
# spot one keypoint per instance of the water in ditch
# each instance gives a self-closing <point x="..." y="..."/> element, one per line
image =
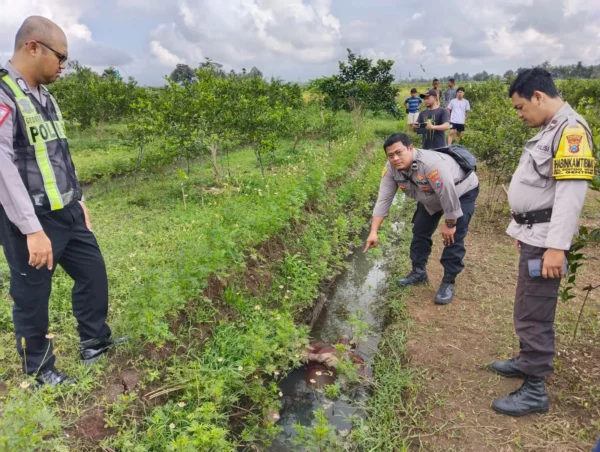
<point x="355" y="301"/>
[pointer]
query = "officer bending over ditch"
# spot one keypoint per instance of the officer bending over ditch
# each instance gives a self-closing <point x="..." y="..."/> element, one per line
<point x="441" y="187"/>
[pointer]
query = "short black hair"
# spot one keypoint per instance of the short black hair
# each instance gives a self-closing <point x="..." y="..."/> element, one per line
<point x="395" y="138"/>
<point x="435" y="80"/>
<point x="451" y="80"/>
<point x="413" y="90"/>
<point x="530" y="80"/>
<point x="460" y="88"/>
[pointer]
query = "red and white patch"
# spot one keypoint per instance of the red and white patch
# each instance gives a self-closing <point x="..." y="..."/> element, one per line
<point x="4" y="113"/>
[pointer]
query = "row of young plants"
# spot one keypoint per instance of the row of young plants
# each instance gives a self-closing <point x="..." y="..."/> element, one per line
<point x="263" y="338"/>
<point x="162" y="239"/>
<point x="211" y="113"/>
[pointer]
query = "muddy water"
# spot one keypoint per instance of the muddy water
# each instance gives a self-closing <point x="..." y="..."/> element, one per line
<point x="357" y="294"/>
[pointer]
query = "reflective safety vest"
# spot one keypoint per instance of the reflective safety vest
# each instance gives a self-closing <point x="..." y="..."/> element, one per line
<point x="41" y="149"/>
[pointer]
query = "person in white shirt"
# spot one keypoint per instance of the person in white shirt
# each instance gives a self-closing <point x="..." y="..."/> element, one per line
<point x="459" y="110"/>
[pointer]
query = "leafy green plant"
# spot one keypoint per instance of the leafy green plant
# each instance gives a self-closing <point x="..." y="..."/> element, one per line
<point x="321" y="437"/>
<point x="360" y="86"/>
<point x="26" y="424"/>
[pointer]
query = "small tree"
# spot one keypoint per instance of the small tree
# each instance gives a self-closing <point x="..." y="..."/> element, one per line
<point x="360" y="86"/>
<point x="144" y="126"/>
<point x="182" y="74"/>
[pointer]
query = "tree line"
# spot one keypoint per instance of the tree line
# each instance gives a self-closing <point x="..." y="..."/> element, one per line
<point x="560" y="72"/>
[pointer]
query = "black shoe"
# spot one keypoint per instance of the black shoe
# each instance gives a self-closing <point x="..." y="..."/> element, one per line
<point x="53" y="377"/>
<point x="93" y="349"/>
<point x="417" y="276"/>
<point x="445" y="293"/>
<point x="508" y="368"/>
<point x="531" y="397"/>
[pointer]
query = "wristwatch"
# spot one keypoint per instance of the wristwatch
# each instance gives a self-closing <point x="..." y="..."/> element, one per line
<point x="450" y="225"/>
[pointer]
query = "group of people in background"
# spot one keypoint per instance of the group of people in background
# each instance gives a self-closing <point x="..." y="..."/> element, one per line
<point x="443" y="111"/>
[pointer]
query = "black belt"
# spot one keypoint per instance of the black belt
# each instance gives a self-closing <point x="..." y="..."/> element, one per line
<point x="533" y="217"/>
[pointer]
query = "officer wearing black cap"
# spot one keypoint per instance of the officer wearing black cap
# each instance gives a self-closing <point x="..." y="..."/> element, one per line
<point x="433" y="122"/>
<point x="441" y="187"/>
<point x="43" y="219"/>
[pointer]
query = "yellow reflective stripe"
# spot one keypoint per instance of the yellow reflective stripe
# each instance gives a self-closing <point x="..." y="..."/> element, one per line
<point x="43" y="161"/>
<point x="46" y="131"/>
<point x="37" y="129"/>
<point x="19" y="94"/>
<point x="56" y="107"/>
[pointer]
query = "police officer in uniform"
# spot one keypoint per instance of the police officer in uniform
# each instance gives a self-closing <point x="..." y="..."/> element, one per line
<point x="546" y="196"/>
<point x="43" y="220"/>
<point x="441" y="187"/>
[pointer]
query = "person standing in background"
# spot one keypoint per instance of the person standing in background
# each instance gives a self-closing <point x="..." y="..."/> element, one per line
<point x="436" y="121"/>
<point x="412" y="104"/>
<point x="450" y="92"/>
<point x="459" y="111"/>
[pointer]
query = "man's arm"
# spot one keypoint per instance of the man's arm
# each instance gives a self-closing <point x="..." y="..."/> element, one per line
<point x="444" y="123"/>
<point x="569" y="197"/>
<point x="13" y="194"/>
<point x="14" y="197"/>
<point x="387" y="191"/>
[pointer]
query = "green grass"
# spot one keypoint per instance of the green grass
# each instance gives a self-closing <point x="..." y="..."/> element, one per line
<point x="212" y="352"/>
<point x="391" y="409"/>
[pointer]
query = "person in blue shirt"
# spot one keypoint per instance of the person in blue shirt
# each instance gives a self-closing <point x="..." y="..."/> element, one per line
<point x="412" y="104"/>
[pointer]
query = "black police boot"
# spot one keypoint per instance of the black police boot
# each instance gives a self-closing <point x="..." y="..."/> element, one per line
<point x="93" y="349"/>
<point x="531" y="397"/>
<point x="53" y="377"/>
<point x="508" y="368"/>
<point x="418" y="275"/>
<point x="445" y="293"/>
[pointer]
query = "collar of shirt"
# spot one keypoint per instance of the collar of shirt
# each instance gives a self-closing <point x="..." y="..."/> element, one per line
<point x="16" y="75"/>
<point x="556" y="120"/>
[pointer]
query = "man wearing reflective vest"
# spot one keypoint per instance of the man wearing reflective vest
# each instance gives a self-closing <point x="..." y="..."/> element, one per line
<point x="43" y="220"/>
<point x="546" y="196"/>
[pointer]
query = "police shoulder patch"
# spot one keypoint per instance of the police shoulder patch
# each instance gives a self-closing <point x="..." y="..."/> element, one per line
<point x="4" y="113"/>
<point x="434" y="174"/>
<point x="22" y="85"/>
<point x="384" y="172"/>
<point x="574" y="158"/>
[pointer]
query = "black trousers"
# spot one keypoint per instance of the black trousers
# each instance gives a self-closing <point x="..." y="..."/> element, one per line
<point x="76" y="250"/>
<point x="424" y="225"/>
<point x="535" y="307"/>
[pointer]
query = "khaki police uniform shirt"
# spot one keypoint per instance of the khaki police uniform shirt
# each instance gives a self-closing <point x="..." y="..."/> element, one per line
<point x="432" y="183"/>
<point x="530" y="192"/>
<point x="13" y="195"/>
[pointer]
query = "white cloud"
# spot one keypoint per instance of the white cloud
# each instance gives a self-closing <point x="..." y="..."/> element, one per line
<point x="68" y="15"/>
<point x="303" y="39"/>
<point x="508" y="44"/>
<point x="239" y="31"/>
<point x="163" y="56"/>
<point x="416" y="47"/>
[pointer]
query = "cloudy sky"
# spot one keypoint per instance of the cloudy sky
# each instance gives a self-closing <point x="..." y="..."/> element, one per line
<point x="303" y="39"/>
